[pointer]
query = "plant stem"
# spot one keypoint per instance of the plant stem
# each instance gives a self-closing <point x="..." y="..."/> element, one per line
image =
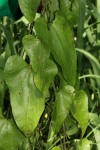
<point x="93" y="130"/>
<point x="80" y="30"/>
<point x="50" y="139"/>
<point x="58" y="140"/>
<point x="98" y="20"/>
<point x="81" y="20"/>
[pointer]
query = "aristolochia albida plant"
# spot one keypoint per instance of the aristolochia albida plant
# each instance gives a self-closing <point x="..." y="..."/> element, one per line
<point x="50" y="75"/>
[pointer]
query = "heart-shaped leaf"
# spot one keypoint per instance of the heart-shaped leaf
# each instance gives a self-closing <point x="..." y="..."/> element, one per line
<point x="44" y="68"/>
<point x="80" y="110"/>
<point x="26" y="100"/>
<point x="64" y="99"/>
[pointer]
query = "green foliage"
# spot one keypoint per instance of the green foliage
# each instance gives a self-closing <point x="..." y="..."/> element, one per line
<point x="65" y="8"/>
<point x="23" y="93"/>
<point x="56" y="148"/>
<point x="10" y="136"/>
<point x="64" y="51"/>
<point x="80" y="110"/>
<point x="44" y="68"/>
<point x="50" y="76"/>
<point x="29" y="8"/>
<point x="63" y="103"/>
<point x="2" y="84"/>
<point x="84" y="144"/>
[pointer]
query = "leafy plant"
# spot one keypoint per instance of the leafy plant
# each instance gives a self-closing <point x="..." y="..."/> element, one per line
<point x="50" y="76"/>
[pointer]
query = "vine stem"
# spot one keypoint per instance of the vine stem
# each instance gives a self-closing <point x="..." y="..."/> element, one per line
<point x="93" y="131"/>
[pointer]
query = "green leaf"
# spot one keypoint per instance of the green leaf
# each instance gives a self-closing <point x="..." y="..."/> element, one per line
<point x="2" y="84"/>
<point x="44" y="68"/>
<point x="63" y="48"/>
<point x="26" y="144"/>
<point x="64" y="99"/>
<point x="10" y="136"/>
<point x="84" y="144"/>
<point x="9" y="37"/>
<point x="1" y="116"/>
<point x="75" y="10"/>
<point x="36" y="52"/>
<point x="94" y="62"/>
<point x="29" y="8"/>
<point x="26" y="100"/>
<point x="95" y="12"/>
<point x="65" y="9"/>
<point x="94" y="119"/>
<point x="71" y="126"/>
<point x="56" y="148"/>
<point x="44" y="78"/>
<point x="43" y="33"/>
<point x="54" y="5"/>
<point x="2" y="89"/>
<point x="80" y="110"/>
<point x="97" y="138"/>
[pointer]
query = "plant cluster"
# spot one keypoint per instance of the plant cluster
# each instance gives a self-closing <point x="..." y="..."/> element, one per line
<point x="50" y="76"/>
